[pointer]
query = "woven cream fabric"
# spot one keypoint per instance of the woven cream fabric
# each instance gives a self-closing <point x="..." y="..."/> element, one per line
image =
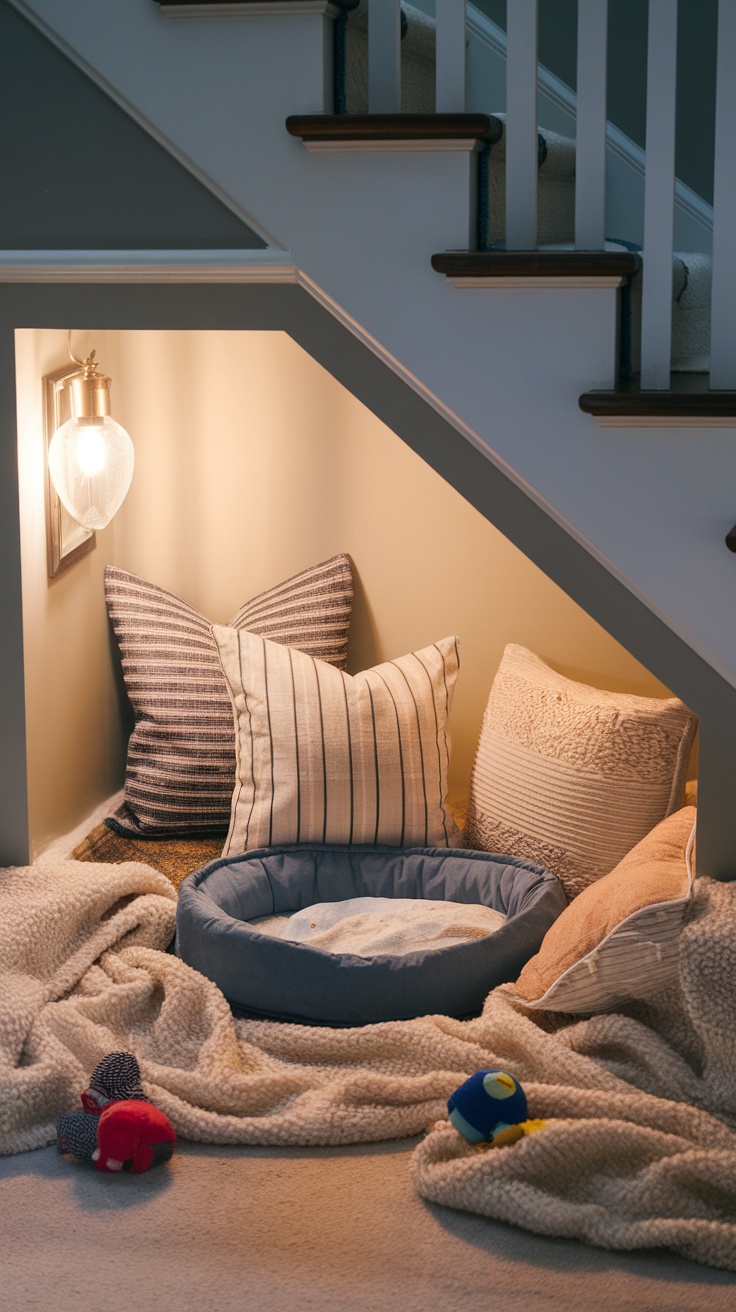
<point x="570" y="776"/>
<point x="620" y="938"/>
<point x="417" y="62"/>
<point x="640" y="1145"/>
<point x="692" y="276"/>
<point x="555" y="184"/>
<point x="327" y="757"/>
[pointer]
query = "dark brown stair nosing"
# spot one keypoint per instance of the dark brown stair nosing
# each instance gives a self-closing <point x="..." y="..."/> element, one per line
<point x="395" y="127"/>
<point x="537" y="264"/>
<point x="688" y="401"/>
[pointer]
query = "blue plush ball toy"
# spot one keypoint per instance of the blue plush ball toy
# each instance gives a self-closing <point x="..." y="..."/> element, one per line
<point x="488" y="1102"/>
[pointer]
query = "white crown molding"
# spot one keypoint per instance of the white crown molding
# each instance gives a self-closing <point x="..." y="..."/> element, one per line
<point x="269" y="266"/>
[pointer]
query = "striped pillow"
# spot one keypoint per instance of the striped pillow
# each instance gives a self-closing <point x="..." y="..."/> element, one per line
<point x="181" y="755"/>
<point x="332" y="758"/>
<point x="569" y="776"/>
<point x="619" y="939"/>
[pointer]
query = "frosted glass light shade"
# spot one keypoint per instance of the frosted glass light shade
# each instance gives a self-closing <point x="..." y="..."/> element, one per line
<point x="91" y="466"/>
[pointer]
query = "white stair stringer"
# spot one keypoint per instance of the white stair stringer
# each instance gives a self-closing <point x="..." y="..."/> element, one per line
<point x="505" y="366"/>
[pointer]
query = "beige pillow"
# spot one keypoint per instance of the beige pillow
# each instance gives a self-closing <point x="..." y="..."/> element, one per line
<point x="569" y="776"/>
<point x="619" y="939"/>
<point x="328" y="757"/>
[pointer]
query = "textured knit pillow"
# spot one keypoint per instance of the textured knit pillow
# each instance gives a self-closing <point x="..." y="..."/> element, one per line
<point x="569" y="776"/>
<point x="619" y="939"/>
<point x="332" y="758"/>
<point x="181" y="755"/>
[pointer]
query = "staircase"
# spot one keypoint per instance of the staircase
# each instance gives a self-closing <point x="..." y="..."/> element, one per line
<point x="691" y="289"/>
<point x="381" y="229"/>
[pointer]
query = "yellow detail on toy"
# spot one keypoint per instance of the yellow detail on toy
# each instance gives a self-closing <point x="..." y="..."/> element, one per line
<point x="512" y="1133"/>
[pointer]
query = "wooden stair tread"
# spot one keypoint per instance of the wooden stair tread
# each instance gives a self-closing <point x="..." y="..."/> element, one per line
<point x="688" y="397"/>
<point x="536" y="264"/>
<point x="395" y="127"/>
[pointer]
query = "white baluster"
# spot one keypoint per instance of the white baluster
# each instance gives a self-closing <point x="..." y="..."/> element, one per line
<point x="450" y="56"/>
<point x="384" y="56"/>
<point x="723" y="304"/>
<point x="521" y="125"/>
<point x="659" y="197"/>
<point x="590" y="133"/>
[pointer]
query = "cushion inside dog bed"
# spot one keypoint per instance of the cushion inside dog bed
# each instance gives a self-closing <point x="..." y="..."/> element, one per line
<point x="383" y="926"/>
<point x="287" y="980"/>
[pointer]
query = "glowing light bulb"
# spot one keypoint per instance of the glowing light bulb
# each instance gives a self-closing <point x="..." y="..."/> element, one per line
<point x="90" y="457"/>
<point x="91" y="450"/>
<point x="91" y="464"/>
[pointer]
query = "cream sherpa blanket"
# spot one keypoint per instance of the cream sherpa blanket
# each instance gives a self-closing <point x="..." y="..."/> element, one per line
<point x="641" y="1145"/>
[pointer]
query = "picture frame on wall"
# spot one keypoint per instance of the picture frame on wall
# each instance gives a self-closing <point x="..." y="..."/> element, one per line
<point x="66" y="540"/>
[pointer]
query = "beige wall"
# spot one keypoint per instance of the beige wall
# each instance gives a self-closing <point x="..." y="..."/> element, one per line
<point x="251" y="463"/>
<point x="73" y="720"/>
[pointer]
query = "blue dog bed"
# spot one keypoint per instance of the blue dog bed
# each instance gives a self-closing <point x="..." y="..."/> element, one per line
<point x="283" y="980"/>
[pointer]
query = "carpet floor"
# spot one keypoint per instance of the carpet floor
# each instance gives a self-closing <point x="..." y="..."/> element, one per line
<point x="328" y="1229"/>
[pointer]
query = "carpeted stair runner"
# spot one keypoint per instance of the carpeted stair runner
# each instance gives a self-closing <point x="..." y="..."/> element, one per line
<point x="555" y="189"/>
<point x="417" y="61"/>
<point x="556" y="195"/>
<point x="691" y="286"/>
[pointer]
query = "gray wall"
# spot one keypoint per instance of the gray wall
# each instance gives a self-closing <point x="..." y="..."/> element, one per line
<point x="627" y="36"/>
<point x="81" y="174"/>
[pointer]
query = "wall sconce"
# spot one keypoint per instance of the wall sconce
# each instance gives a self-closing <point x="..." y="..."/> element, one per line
<point x="90" y="456"/>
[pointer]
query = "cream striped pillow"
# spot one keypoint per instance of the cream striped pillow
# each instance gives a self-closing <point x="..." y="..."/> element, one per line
<point x="620" y="938"/>
<point x="571" y="776"/>
<point x="328" y="757"/>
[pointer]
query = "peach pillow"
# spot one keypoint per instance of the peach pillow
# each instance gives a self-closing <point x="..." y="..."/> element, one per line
<point x="619" y="938"/>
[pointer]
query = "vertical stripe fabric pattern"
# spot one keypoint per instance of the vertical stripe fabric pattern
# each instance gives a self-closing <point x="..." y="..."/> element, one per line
<point x="328" y="757"/>
<point x="181" y="756"/>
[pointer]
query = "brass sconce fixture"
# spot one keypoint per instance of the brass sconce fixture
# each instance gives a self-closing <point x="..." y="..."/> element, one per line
<point x="90" y="459"/>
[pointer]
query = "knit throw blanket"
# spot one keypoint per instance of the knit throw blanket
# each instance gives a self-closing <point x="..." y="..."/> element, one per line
<point x="640" y="1145"/>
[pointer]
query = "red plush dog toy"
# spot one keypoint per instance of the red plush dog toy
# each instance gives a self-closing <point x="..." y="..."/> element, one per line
<point x="119" y="1127"/>
<point x="132" y="1132"/>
